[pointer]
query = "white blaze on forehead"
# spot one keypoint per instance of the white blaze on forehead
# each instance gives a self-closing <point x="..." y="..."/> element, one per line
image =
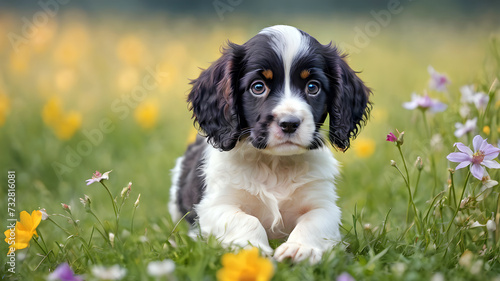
<point x="289" y="43"/>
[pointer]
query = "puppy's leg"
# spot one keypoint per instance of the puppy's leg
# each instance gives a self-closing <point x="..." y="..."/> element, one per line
<point x="232" y="226"/>
<point x="316" y="231"/>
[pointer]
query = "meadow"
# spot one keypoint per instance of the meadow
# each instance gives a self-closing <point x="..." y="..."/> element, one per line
<point x="95" y="93"/>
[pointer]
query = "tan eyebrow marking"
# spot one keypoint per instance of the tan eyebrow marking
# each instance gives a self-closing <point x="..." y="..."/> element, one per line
<point x="268" y="74"/>
<point x="304" y="73"/>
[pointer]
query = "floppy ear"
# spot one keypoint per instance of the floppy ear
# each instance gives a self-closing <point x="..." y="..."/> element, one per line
<point x="213" y="101"/>
<point x="349" y="106"/>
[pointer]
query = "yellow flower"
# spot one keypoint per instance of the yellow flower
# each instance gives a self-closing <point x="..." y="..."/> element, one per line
<point x="487" y="130"/>
<point x="364" y="148"/>
<point x="146" y="114"/>
<point x="63" y="124"/>
<point x="246" y="265"/>
<point x="4" y="108"/>
<point x="130" y="50"/>
<point x="24" y="230"/>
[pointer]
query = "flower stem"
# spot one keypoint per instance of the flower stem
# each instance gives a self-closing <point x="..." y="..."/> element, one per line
<point x="115" y="208"/>
<point x="458" y="206"/>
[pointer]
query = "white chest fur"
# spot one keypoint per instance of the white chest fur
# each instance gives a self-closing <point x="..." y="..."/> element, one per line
<point x="276" y="190"/>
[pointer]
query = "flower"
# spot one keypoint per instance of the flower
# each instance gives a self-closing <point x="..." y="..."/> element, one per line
<point x="136" y="204"/>
<point x="462" y="129"/>
<point x="364" y="147"/>
<point x="483" y="155"/>
<point x="63" y="124"/>
<point x="424" y="103"/>
<point x="161" y="268"/>
<point x="23" y="231"/>
<point x="391" y="137"/>
<point x="63" y="272"/>
<point x="487" y="130"/>
<point x="146" y="114"/>
<point x="487" y="184"/>
<point x="44" y="214"/>
<point x="114" y="272"/>
<point x="491" y="225"/>
<point x="469" y="95"/>
<point x="438" y="81"/>
<point x="98" y="177"/>
<point x="245" y="265"/>
<point x="345" y="277"/>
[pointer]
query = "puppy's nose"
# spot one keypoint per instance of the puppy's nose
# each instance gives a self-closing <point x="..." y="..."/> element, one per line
<point x="289" y="124"/>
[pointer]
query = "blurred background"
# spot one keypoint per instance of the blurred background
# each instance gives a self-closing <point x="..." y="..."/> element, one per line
<point x="101" y="85"/>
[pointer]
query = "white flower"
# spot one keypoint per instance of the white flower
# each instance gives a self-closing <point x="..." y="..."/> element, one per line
<point x="491" y="225"/>
<point x="462" y="129"/>
<point x="476" y="224"/>
<point x="469" y="95"/>
<point x="112" y="239"/>
<point x="161" y="268"/>
<point x="114" y="272"/>
<point x="44" y="214"/>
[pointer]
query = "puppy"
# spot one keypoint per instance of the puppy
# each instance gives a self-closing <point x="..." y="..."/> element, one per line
<point x="263" y="169"/>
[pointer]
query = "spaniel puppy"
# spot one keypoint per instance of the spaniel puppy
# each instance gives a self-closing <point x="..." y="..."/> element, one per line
<point x="263" y="170"/>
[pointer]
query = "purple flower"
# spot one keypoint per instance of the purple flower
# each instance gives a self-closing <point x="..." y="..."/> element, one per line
<point x="345" y="277"/>
<point x="64" y="273"/>
<point x="469" y="126"/>
<point x="424" y="103"/>
<point x="483" y="155"/>
<point x="438" y="81"/>
<point x="391" y="137"/>
<point x="97" y="177"/>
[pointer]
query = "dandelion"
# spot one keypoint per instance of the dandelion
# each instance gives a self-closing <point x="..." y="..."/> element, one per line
<point x="114" y="272"/>
<point x="437" y="81"/>
<point x="23" y="231"/>
<point x="63" y="272"/>
<point x="483" y="155"/>
<point x="424" y="103"/>
<point x="467" y="127"/>
<point x="364" y="148"/>
<point x="245" y="265"/>
<point x="98" y="177"/>
<point x="161" y="268"/>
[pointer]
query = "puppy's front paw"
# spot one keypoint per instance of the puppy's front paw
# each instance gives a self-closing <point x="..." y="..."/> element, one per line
<point x="297" y="252"/>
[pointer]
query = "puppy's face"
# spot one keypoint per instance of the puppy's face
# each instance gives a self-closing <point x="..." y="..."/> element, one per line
<point x="275" y="92"/>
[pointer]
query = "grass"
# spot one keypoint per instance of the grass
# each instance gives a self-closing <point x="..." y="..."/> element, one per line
<point x="93" y="83"/>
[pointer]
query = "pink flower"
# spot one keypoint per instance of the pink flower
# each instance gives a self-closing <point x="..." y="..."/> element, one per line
<point x="438" y="81"/>
<point x="64" y="273"/>
<point x="98" y="177"/>
<point x="391" y="137"/>
<point x="424" y="103"/>
<point x="483" y="155"/>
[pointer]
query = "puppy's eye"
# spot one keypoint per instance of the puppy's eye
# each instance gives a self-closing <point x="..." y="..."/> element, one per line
<point x="313" y="87"/>
<point x="258" y="88"/>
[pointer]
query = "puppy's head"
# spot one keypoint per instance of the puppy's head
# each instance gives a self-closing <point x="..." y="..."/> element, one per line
<point x="275" y="91"/>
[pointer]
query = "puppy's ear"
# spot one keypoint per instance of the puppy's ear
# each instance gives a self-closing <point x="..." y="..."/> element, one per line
<point x="349" y="106"/>
<point x="213" y="101"/>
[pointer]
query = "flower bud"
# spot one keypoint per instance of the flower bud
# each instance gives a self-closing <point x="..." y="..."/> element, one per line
<point x="112" y="239"/>
<point x="393" y="163"/>
<point x="419" y="163"/>
<point x="66" y="207"/>
<point x="136" y="204"/>
<point x="400" y="140"/>
<point x="86" y="202"/>
<point x="491" y="225"/>
<point x="44" y="214"/>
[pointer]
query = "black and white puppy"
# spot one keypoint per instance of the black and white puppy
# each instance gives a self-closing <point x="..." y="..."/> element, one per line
<point x="263" y="171"/>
